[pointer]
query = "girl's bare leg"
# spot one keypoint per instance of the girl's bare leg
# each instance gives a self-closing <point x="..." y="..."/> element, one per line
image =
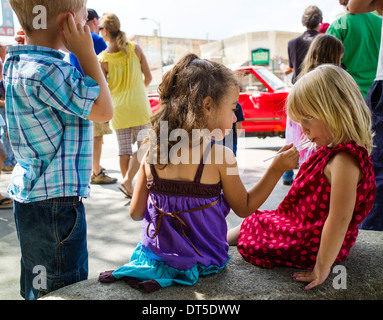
<point x="232" y="236"/>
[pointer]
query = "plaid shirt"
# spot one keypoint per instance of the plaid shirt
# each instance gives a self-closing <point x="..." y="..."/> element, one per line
<point x="47" y="103"/>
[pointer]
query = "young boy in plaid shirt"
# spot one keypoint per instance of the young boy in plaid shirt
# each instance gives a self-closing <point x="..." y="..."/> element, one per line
<point x="49" y="108"/>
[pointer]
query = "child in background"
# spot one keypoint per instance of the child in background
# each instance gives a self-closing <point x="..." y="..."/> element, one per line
<point x="317" y="222"/>
<point x="49" y="105"/>
<point x="179" y="196"/>
<point x="325" y="48"/>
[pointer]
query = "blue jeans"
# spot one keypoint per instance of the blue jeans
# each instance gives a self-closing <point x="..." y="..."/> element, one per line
<point x="288" y="175"/>
<point x="52" y="236"/>
<point x="374" y="220"/>
<point x="374" y="100"/>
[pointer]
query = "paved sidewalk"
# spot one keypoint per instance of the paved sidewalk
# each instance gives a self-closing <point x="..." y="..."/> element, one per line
<point x="112" y="234"/>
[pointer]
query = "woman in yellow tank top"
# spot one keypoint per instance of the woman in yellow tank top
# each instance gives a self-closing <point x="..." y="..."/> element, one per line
<point x="128" y="74"/>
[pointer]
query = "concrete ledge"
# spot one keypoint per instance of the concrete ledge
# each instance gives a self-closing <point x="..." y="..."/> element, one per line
<point x="243" y="281"/>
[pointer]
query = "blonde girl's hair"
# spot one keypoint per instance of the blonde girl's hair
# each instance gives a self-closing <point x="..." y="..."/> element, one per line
<point x="325" y="48"/>
<point x="110" y="22"/>
<point x="24" y="10"/>
<point x="330" y="94"/>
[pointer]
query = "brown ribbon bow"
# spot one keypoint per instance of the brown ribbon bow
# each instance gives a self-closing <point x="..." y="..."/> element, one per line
<point x="180" y="224"/>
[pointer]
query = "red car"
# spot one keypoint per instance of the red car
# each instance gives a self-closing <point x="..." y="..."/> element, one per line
<point x="263" y="98"/>
<point x="154" y="102"/>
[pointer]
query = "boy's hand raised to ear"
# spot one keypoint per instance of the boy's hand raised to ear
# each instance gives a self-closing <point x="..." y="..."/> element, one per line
<point x="77" y="38"/>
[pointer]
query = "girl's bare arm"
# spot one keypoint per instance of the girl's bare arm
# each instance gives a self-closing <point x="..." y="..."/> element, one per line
<point x="245" y="202"/>
<point x="344" y="174"/>
<point x="140" y="195"/>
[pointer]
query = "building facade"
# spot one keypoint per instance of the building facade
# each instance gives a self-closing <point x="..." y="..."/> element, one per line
<point x="169" y="50"/>
<point x="233" y="52"/>
<point x="237" y="51"/>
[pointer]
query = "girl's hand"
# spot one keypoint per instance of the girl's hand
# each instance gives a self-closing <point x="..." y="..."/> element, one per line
<point x="77" y="38"/>
<point x="315" y="277"/>
<point x="287" y="161"/>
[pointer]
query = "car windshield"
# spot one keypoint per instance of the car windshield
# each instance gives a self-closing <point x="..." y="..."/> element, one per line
<point x="271" y="79"/>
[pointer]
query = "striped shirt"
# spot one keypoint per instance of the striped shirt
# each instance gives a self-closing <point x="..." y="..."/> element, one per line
<point x="47" y="103"/>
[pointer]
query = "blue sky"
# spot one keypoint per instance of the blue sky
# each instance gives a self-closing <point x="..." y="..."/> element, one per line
<point x="211" y="19"/>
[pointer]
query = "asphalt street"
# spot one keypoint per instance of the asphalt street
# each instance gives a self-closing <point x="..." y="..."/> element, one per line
<point x="112" y="234"/>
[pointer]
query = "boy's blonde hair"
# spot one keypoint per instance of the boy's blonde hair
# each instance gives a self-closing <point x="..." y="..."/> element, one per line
<point x="330" y="94"/>
<point x="25" y="15"/>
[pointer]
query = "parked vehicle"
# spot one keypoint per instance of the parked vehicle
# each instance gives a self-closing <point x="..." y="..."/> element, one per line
<point x="263" y="98"/>
<point x="154" y="102"/>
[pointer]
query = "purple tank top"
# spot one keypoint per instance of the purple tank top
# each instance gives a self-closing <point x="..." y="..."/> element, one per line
<point x="185" y="222"/>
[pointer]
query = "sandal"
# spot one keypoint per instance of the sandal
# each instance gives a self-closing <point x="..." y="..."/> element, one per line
<point x="125" y="192"/>
<point x="6" y="203"/>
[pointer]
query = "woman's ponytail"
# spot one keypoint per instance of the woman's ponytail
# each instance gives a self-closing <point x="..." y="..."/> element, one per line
<point x="110" y="22"/>
<point x="122" y="42"/>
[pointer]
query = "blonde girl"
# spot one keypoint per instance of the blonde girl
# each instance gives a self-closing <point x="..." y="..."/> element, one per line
<point x="317" y="222"/>
<point x="187" y="184"/>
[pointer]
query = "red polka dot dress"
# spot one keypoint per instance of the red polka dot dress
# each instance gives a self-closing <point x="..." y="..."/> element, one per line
<point x="290" y="235"/>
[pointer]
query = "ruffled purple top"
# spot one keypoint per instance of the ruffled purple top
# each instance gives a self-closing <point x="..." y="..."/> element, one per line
<point x="185" y="222"/>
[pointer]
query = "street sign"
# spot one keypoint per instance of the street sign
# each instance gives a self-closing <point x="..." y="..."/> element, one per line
<point x="7" y="28"/>
<point x="260" y="56"/>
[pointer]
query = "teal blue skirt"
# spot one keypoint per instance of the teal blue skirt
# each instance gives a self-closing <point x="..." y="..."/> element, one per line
<point x="143" y="268"/>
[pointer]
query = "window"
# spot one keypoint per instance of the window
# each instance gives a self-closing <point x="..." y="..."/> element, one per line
<point x="250" y="83"/>
<point x="271" y="79"/>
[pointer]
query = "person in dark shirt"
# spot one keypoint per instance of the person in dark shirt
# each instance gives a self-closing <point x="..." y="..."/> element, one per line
<point x="298" y="47"/>
<point x="231" y="139"/>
